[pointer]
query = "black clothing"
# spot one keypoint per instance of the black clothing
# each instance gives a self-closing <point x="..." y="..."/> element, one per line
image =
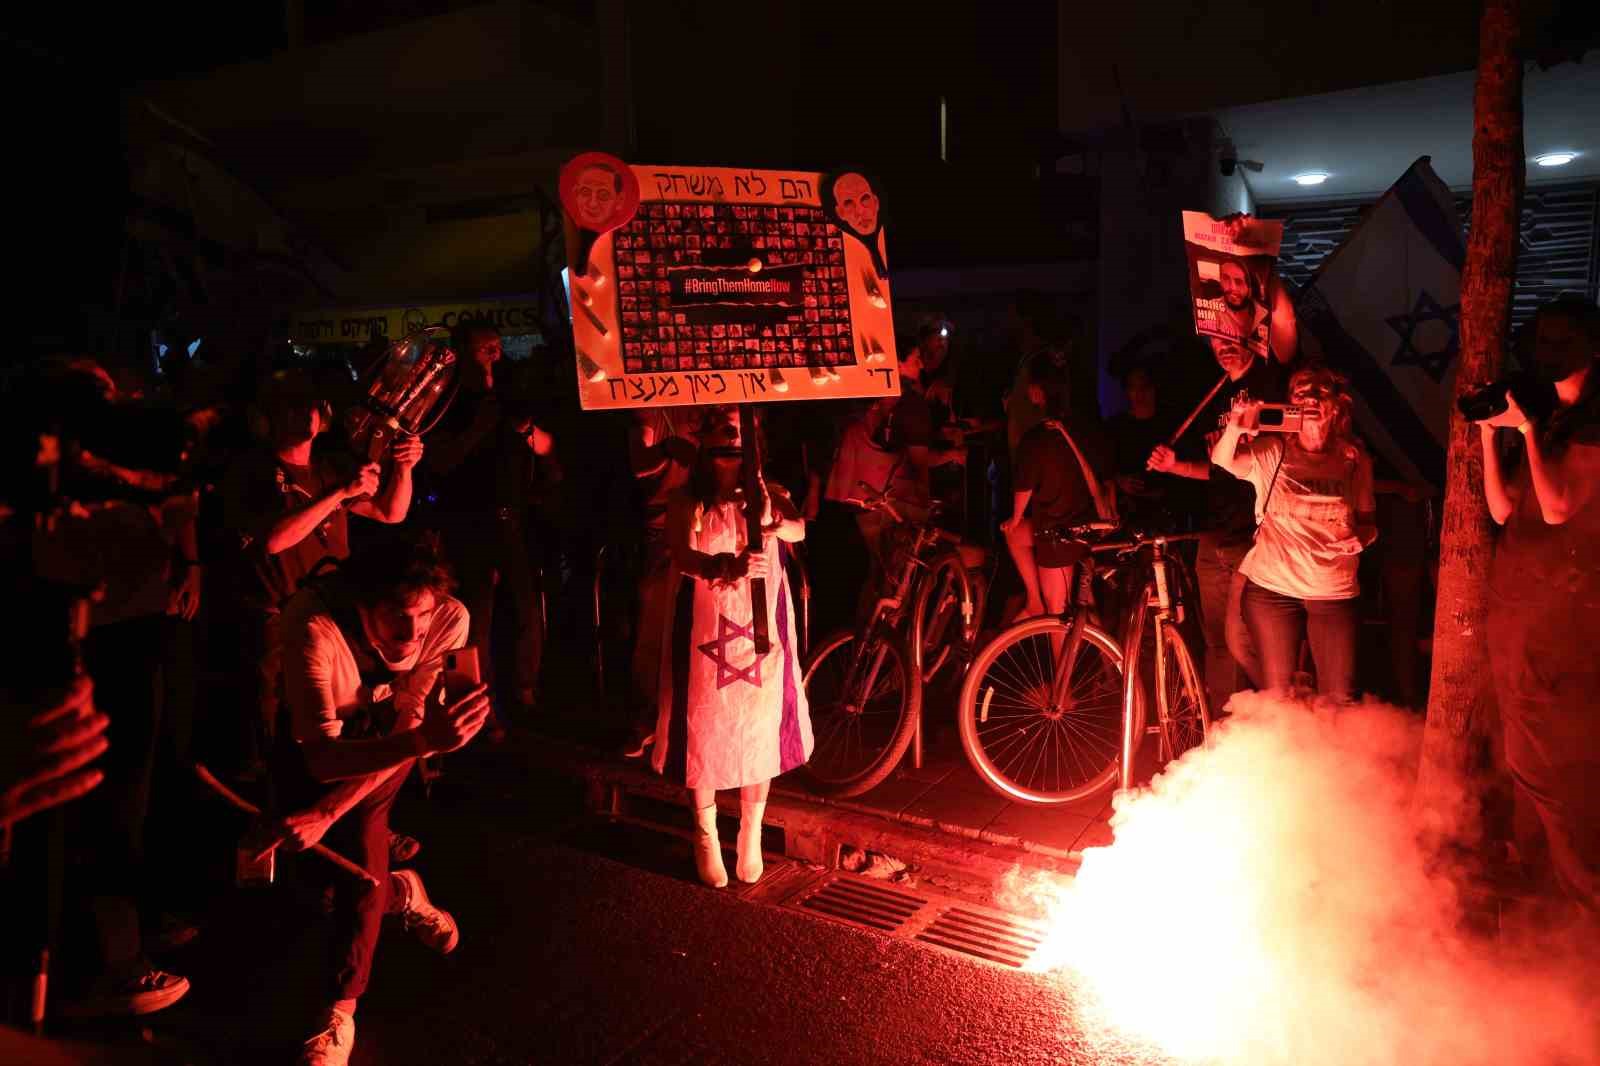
<point x="1230" y="504"/>
<point x="1544" y="597"/>
<point x="260" y="489"/>
<point x="1047" y="467"/>
<point x="481" y="505"/>
<point x="909" y="425"/>
<point x="1168" y="499"/>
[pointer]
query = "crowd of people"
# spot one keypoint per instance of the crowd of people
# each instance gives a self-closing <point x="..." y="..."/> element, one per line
<point x="330" y="660"/>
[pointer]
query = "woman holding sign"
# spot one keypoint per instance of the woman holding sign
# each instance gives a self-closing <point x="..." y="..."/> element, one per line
<point x="1315" y="506"/>
<point x="728" y="716"/>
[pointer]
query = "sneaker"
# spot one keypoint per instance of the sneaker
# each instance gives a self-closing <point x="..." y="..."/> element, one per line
<point x="428" y="923"/>
<point x="331" y="1046"/>
<point x="403" y="848"/>
<point x="151" y="991"/>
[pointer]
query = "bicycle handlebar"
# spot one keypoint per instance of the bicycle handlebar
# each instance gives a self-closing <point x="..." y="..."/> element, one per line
<point x="1141" y="539"/>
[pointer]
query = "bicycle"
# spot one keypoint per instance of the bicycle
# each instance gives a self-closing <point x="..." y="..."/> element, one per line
<point x="865" y="685"/>
<point x="1053" y="708"/>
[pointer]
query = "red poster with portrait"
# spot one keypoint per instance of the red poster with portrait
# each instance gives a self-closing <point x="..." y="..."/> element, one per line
<point x="1230" y="266"/>
<point x="696" y="285"/>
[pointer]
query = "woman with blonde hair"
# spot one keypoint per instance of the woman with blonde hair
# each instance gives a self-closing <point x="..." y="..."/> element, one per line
<point x="1315" y="514"/>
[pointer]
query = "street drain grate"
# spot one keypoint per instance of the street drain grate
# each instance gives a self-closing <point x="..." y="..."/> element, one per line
<point x="996" y="937"/>
<point x="990" y="935"/>
<point x="863" y="903"/>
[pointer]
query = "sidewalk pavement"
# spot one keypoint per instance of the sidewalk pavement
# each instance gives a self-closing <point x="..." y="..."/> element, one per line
<point x="941" y="820"/>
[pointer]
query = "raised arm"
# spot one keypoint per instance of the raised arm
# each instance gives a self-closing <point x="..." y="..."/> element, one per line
<point x="393" y="499"/>
<point x="1494" y="482"/>
<point x="1225" y="453"/>
<point x="1285" y="328"/>
<point x="287" y="530"/>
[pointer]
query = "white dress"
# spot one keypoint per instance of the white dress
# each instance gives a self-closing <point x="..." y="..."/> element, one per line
<point x="727" y="717"/>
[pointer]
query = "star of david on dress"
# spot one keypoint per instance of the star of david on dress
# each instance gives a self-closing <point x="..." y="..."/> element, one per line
<point x="728" y="632"/>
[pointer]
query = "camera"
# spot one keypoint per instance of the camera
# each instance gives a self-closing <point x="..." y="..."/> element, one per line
<point x="1536" y="398"/>
<point x="1278" y="418"/>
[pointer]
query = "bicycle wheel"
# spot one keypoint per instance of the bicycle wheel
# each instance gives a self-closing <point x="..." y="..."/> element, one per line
<point x="1185" y="715"/>
<point x="1026" y="746"/>
<point x="945" y="649"/>
<point x="863" y="711"/>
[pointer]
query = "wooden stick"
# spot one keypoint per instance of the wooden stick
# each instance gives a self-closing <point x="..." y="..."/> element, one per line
<point x="1187" y="422"/>
<point x="207" y="779"/>
<point x="754" y="504"/>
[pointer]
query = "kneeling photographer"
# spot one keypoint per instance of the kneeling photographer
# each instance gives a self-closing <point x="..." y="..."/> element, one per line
<point x="1544" y="584"/>
<point x="368" y="690"/>
<point x="1316" y="514"/>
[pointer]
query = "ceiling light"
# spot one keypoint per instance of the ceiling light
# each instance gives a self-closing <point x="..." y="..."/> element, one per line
<point x="1311" y="177"/>
<point x="1555" y="159"/>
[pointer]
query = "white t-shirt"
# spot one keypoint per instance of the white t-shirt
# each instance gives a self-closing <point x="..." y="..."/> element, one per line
<point x="1313" y="504"/>
<point x="322" y="683"/>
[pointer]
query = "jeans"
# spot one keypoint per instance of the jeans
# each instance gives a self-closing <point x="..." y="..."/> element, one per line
<point x="362" y="836"/>
<point x="1277" y="624"/>
<point x="1229" y="647"/>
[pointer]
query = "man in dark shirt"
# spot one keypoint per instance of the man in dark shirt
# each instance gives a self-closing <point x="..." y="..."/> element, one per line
<point x="1145" y="498"/>
<point x="287" y="506"/>
<point x="1228" y="515"/>
<point x="481" y="475"/>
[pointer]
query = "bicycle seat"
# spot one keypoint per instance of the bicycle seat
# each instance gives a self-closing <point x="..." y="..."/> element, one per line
<point x="1092" y="531"/>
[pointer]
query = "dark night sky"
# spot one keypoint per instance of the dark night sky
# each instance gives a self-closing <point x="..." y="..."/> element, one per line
<point x="826" y="83"/>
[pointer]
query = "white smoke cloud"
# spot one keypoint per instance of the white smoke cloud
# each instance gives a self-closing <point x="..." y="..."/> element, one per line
<point x="1268" y="901"/>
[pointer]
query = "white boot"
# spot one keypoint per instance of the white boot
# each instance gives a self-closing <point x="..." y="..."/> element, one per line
<point x="748" y="866"/>
<point x="708" y="849"/>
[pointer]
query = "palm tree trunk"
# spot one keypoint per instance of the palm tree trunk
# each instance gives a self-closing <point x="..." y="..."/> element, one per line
<point x="1460" y="699"/>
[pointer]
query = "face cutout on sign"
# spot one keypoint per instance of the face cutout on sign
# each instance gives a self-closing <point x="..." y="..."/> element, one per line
<point x="595" y="195"/>
<point x="599" y="193"/>
<point x="856" y="204"/>
<point x="851" y="199"/>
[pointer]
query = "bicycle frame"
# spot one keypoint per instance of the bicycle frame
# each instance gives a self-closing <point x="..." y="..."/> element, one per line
<point x="1163" y="610"/>
<point x="890" y="612"/>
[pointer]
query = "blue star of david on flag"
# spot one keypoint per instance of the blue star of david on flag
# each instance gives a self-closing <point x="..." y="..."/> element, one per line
<point x="1427" y="309"/>
<point x="729" y="631"/>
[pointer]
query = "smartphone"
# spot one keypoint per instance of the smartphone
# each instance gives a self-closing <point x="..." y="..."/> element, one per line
<point x="461" y="673"/>
<point x="1279" y="418"/>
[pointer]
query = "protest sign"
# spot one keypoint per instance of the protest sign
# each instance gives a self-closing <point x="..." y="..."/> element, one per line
<point x="1230" y="266"/>
<point x="695" y="285"/>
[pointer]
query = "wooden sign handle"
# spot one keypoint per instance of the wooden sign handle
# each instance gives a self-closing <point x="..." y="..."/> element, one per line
<point x="754" y="504"/>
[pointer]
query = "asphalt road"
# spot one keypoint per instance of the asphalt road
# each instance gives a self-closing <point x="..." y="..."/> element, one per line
<point x="585" y="943"/>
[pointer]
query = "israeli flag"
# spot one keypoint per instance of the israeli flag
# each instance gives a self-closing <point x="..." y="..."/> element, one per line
<point x="1385" y="309"/>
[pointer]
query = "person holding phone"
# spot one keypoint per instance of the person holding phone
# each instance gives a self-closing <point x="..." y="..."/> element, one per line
<point x="364" y="698"/>
<point x="1316" y="513"/>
